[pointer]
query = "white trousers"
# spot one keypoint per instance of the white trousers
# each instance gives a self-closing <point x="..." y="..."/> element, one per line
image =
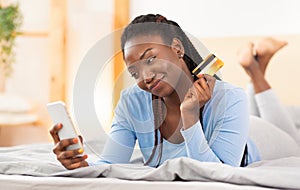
<point x="281" y="124"/>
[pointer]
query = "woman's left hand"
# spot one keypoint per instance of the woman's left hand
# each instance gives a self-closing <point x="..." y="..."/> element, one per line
<point x="196" y="98"/>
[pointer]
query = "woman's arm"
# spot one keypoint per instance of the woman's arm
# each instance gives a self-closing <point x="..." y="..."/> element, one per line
<point x="118" y="147"/>
<point x="122" y="138"/>
<point x="228" y="117"/>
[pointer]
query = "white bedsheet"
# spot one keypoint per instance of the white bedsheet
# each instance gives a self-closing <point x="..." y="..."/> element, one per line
<point x="38" y="162"/>
<point x="17" y="182"/>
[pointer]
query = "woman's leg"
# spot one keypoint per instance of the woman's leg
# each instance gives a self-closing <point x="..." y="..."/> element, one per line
<point x="271" y="110"/>
<point x="264" y="50"/>
<point x="253" y="108"/>
<point x="268" y="105"/>
<point x="271" y="141"/>
<point x="254" y="58"/>
<point x="252" y="68"/>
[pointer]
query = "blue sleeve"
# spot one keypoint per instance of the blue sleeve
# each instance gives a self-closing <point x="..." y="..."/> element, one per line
<point x="121" y="141"/>
<point x="230" y="131"/>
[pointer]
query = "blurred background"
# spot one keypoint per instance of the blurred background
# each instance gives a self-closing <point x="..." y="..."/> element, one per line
<point x="55" y="35"/>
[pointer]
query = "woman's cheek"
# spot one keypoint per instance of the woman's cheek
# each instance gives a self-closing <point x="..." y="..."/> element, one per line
<point x="142" y="85"/>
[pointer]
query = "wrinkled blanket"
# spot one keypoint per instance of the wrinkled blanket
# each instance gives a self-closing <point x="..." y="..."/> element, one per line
<point x="38" y="160"/>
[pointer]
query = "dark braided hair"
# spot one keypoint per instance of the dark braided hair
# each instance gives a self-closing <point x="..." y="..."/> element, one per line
<point x="152" y="24"/>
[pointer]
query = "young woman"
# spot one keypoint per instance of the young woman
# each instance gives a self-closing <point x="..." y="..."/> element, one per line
<point x="170" y="112"/>
<point x="263" y="100"/>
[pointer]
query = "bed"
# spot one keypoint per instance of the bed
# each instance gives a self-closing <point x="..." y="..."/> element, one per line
<point x="35" y="167"/>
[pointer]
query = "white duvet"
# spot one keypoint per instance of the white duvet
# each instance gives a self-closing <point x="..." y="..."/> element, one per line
<point x="38" y="160"/>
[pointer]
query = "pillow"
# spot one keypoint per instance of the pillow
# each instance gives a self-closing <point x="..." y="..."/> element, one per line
<point x="13" y="104"/>
<point x="272" y="142"/>
<point x="17" y="118"/>
<point x="294" y="112"/>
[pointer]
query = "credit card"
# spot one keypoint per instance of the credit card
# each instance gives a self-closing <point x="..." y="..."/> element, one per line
<point x="210" y="65"/>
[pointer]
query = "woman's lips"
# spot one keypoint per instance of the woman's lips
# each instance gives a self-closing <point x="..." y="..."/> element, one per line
<point x="156" y="84"/>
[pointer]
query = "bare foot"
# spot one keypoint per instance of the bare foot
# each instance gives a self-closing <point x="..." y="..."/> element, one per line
<point x="247" y="59"/>
<point x="265" y="49"/>
<point x="252" y="67"/>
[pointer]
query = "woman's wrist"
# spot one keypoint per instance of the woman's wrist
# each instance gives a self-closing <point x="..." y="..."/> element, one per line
<point x="189" y="119"/>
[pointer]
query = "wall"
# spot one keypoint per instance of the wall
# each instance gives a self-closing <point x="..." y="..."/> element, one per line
<point x="219" y="18"/>
<point x="88" y="21"/>
<point x="31" y="67"/>
<point x="282" y="72"/>
<point x="224" y="26"/>
<point x="30" y="77"/>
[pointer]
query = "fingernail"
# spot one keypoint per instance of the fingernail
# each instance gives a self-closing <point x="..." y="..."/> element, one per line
<point x="80" y="151"/>
<point x="200" y="75"/>
<point x="59" y="125"/>
<point x="85" y="156"/>
<point x="75" y="140"/>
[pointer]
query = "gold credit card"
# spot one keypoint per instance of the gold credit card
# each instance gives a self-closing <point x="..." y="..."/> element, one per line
<point x="210" y="65"/>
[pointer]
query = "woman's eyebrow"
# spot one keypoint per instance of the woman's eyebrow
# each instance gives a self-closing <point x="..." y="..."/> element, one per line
<point x="143" y="55"/>
<point x="130" y="67"/>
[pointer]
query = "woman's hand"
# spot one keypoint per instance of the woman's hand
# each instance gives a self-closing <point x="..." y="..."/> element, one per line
<point x="196" y="97"/>
<point x="68" y="158"/>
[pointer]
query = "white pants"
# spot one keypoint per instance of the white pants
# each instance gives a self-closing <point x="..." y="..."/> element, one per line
<point x="267" y="106"/>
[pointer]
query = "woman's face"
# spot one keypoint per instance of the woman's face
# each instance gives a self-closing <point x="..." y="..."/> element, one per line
<point x="155" y="66"/>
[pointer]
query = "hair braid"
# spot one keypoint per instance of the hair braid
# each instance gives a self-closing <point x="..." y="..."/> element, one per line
<point x="158" y="120"/>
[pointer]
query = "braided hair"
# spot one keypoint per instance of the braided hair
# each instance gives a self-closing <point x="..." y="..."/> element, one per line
<point x="151" y="24"/>
<point x="155" y="24"/>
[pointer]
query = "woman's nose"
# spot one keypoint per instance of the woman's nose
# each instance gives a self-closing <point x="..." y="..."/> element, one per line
<point x="148" y="76"/>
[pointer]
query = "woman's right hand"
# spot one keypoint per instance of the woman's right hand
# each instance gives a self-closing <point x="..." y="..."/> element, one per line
<point x="70" y="159"/>
<point x="196" y="97"/>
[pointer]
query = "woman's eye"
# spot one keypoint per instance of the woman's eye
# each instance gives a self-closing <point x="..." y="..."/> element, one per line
<point x="134" y="75"/>
<point x="150" y="59"/>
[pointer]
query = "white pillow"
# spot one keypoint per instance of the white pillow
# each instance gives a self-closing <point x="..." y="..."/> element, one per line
<point x="13" y="104"/>
<point x="17" y="118"/>
<point x="272" y="142"/>
<point x="294" y="112"/>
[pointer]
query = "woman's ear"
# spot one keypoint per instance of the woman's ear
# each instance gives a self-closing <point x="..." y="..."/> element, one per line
<point x="177" y="47"/>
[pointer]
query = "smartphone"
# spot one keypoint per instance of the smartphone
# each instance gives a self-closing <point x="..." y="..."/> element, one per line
<point x="210" y="65"/>
<point x="59" y="114"/>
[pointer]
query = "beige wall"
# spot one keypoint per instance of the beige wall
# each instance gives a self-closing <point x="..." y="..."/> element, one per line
<point x="223" y="26"/>
<point x="282" y="73"/>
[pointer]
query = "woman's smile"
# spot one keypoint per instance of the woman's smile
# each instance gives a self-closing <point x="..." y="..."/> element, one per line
<point x="156" y="84"/>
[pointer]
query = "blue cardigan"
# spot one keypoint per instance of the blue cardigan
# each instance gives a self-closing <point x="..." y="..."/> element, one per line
<point x="222" y="138"/>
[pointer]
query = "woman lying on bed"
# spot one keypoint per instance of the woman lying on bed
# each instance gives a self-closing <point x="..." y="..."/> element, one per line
<point x="170" y="112"/>
<point x="263" y="100"/>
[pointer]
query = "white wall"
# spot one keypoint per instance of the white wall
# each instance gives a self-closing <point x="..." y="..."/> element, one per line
<point x="223" y="18"/>
<point x="88" y="22"/>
